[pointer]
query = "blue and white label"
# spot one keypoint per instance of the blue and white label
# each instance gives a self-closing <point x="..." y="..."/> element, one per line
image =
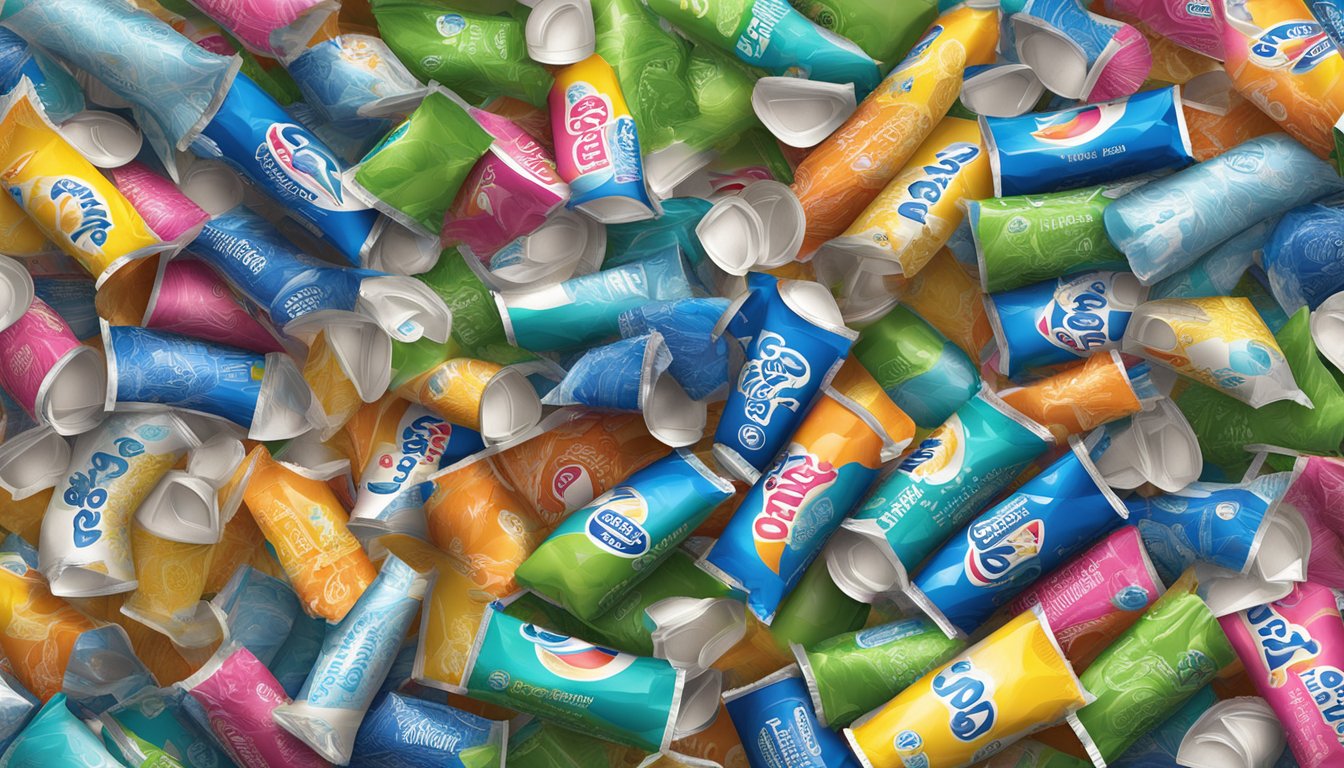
<point x="968" y="694"/>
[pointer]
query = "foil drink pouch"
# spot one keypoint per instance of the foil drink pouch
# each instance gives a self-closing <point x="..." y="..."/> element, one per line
<point x="854" y="673"/>
<point x="1166" y="657"/>
<point x="778" y="728"/>
<point x="306" y="525"/>
<point x="1191" y="25"/>
<point x="1079" y="54"/>
<point x="1218" y="272"/>
<point x="900" y="25"/>
<point x="469" y="52"/>
<point x="509" y="193"/>
<point x="415" y="172"/>
<point x="926" y="375"/>
<point x="933" y="492"/>
<point x="1221" y="342"/>
<point x="1208" y="522"/>
<point x="1087" y="145"/>
<point x="1092" y="599"/>
<point x="771" y="35"/>
<point x="404" y="732"/>
<point x="355" y="658"/>
<point x="949" y="298"/>
<point x="1262" y="178"/>
<point x="169" y="213"/>
<point x="814" y="611"/>
<point x="238" y="696"/>
<point x="256" y="137"/>
<point x="588" y="308"/>
<point x="1058" y="321"/>
<point x="208" y="378"/>
<point x="799" y="501"/>
<point x="847" y="171"/>
<point x="597" y="145"/>
<point x="1290" y="648"/>
<point x="405" y="444"/>
<point x="170" y="581"/>
<point x="55" y="734"/>
<point x="496" y="401"/>
<point x="272" y="27"/>
<point x="86" y="532"/>
<point x="801" y="343"/>
<point x="49" y="374"/>
<point x="1040" y="526"/>
<point x="61" y="96"/>
<point x="1301" y="260"/>
<point x="73" y="204"/>
<point x="1083" y="396"/>
<point x="1030" y="238"/>
<point x="1225" y="426"/>
<point x="191" y="299"/>
<point x="602" y="551"/>
<point x="156" y="59"/>
<point x="979" y="702"/>
<point x="1281" y="59"/>
<point x="478" y="519"/>
<point x="916" y="213"/>
<point x="700" y="357"/>
<point x="38" y="630"/>
<point x="476" y="318"/>
<point x="629" y="699"/>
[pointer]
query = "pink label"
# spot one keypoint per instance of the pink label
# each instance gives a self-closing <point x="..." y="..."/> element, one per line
<point x="1293" y="651"/>
<point x="28" y="350"/>
<point x="1188" y="23"/>
<point x="253" y="21"/>
<point x="160" y="203"/>
<point x="581" y="115"/>
<point x="1095" y="597"/>
<point x="194" y="301"/>
<point x="238" y="699"/>
<point x="1318" y="494"/>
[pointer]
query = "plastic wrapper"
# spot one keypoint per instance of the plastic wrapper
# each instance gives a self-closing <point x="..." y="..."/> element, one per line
<point x="1191" y="26"/>
<point x="158" y="719"/>
<point x="883" y="30"/>
<point x="926" y="375"/>
<point x="1084" y="395"/>
<point x="191" y="299"/>
<point x="775" y="721"/>
<point x="55" y="734"/>
<point x="1312" y="494"/>
<point x="1217" y="272"/>
<point x="950" y="299"/>
<point x="171" y="215"/>
<point x="50" y="375"/>
<point x="1301" y="258"/>
<point x="403" y="732"/>
<point x="700" y="358"/>
<point x="61" y="95"/>
<point x="38" y="658"/>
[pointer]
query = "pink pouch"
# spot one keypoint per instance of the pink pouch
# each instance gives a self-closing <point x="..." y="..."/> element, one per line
<point x="239" y="694"/>
<point x="510" y="192"/>
<point x="1293" y="651"/>
<point x="1095" y="597"/>
<point x="171" y="214"/>
<point x="1188" y="23"/>
<point x="30" y="349"/>
<point x="192" y="300"/>
<point x="255" y="22"/>
<point x="1317" y="493"/>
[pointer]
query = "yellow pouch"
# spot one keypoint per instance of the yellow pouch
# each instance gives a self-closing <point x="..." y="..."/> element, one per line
<point x="171" y="580"/>
<point x="37" y="629"/>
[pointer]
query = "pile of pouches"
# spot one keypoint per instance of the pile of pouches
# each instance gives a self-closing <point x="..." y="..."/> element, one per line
<point x="711" y="383"/>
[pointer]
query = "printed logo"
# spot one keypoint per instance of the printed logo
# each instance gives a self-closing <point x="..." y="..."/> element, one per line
<point x="999" y="545"/>
<point x="617" y="522"/>
<point x="1282" y="644"/>
<point x="916" y="54"/>
<point x="889" y="633"/>
<point x="587" y="113"/>
<point x="789" y="486"/>
<point x="968" y="694"/>
<point x="929" y="190"/>
<point x="301" y="167"/>
<point x="940" y="456"/>
<point x="1087" y="125"/>
<point x="1202" y="9"/>
<point x="1079" y="318"/>
<point x="450" y="25"/>
<point x="1325" y="685"/>
<point x="755" y="38"/>
<point x="1299" y="45"/>
<point x="81" y="214"/>
<point x="423" y="442"/>
<point x="775" y="372"/>
<point x="802" y="723"/>
<point x="88" y="489"/>
<point x="573" y="659"/>
<point x="1194" y="670"/>
<point x="1131" y="598"/>
<point x="573" y="485"/>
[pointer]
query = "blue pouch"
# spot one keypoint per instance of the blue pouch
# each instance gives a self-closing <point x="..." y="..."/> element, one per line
<point x="16" y="706"/>
<point x="1218" y="271"/>
<point x="778" y="726"/>
<point x="699" y="358"/>
<point x="72" y="298"/>
<point x="615" y="377"/>
<point x="158" y="367"/>
<point x="783" y="41"/>
<point x="1087" y="145"/>
<point x="676" y="227"/>
<point x="54" y="737"/>
<point x="254" y="135"/>
<point x="1304" y="258"/>
<point x="20" y="546"/>
<point x="1207" y="522"/>
<point x="1058" y="321"/>
<point x="412" y="733"/>
<point x="259" y="612"/>
<point x="296" y="656"/>
<point x="1043" y="524"/>
<point x="56" y="88"/>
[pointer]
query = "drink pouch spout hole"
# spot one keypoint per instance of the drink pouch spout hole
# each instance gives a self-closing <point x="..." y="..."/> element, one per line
<point x="1226" y="592"/>
<point x="217" y="459"/>
<point x="666" y="168"/>
<point x="860" y="565"/>
<point x="1235" y="733"/>
<point x="509" y="406"/>
<point x="282" y="406"/>
<point x="733" y="235"/>
<point x="33" y="460"/>
<point x="16" y="291"/>
<point x="1059" y="62"/>
<point x="104" y="139"/>
<point x="693" y="633"/>
<point x="561" y="32"/>
<point x="181" y="508"/>
<point x="1327" y="329"/>
<point x="815" y="304"/>
<point x="783" y="221"/>
<point x="364" y="352"/>
<point x="700" y="697"/>
<point x="1009" y="90"/>
<point x="74" y="392"/>
<point x="405" y="308"/>
<point x="1285" y="549"/>
<point x="802" y="113"/>
<point x="402" y="252"/>
<point x="671" y="415"/>
<point x="213" y="186"/>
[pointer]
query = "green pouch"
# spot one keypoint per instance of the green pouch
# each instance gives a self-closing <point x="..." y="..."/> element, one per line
<point x="540" y="744"/>
<point x="415" y="171"/>
<point x="884" y="29"/>
<point x="722" y="89"/>
<point x="468" y="52"/>
<point x="816" y="609"/>
<point x="1226" y="426"/>
<point x="476" y="320"/>
<point x="652" y="66"/>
